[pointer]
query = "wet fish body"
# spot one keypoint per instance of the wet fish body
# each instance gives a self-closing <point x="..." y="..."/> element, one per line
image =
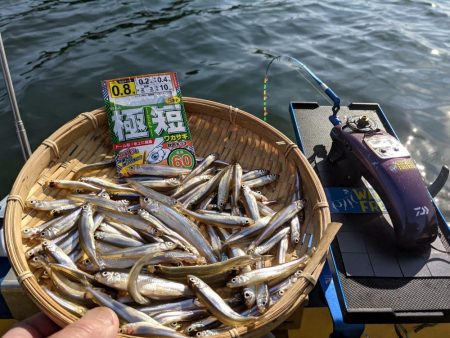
<point x="216" y="304"/>
<point x="157" y="170"/>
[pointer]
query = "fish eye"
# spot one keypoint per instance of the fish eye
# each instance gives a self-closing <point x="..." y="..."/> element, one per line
<point x="45" y="243"/>
<point x="35" y="259"/>
<point x="146" y="199"/>
<point x="247" y="294"/>
<point x="234" y="280"/>
<point x="281" y="292"/>
<point x="192" y="279"/>
<point x="33" y="201"/>
<point x="104" y="274"/>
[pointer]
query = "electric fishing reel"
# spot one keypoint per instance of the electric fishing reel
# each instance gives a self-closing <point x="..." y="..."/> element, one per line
<point x="387" y="165"/>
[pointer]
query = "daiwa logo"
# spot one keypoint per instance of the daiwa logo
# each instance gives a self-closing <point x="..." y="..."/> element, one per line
<point x="420" y="211"/>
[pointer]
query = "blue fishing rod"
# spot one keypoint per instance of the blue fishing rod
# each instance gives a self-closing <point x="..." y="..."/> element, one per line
<point x="311" y="78"/>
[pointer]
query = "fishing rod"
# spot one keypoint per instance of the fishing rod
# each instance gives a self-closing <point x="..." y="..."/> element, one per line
<point x="20" y="127"/>
<point x="311" y="78"/>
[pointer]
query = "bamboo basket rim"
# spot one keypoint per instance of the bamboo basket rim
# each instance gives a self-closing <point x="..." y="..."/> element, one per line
<point x="49" y="151"/>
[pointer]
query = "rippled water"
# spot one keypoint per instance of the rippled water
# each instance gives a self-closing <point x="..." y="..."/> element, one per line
<point x="396" y="53"/>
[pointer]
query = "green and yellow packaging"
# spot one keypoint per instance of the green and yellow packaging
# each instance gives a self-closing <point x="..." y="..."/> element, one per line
<point x="147" y="121"/>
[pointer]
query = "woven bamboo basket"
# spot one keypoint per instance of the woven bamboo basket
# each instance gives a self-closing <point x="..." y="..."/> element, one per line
<point x="215" y="127"/>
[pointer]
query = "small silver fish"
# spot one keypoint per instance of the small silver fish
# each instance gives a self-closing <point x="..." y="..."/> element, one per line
<point x="164" y="184"/>
<point x="185" y="304"/>
<point x="94" y="166"/>
<point x="202" y="166"/>
<point x="86" y="229"/>
<point x="224" y="188"/>
<point x="265" y="275"/>
<point x="254" y="174"/>
<point x="191" y="184"/>
<point x="157" y="170"/>
<point x="149" y="286"/>
<point x="58" y="254"/>
<point x="145" y="329"/>
<point x="117" y="239"/>
<point x="105" y="184"/>
<point x="72" y="307"/>
<point x="216" y="304"/>
<point x="282" y="249"/>
<point x="183" y="226"/>
<point x="272" y="241"/>
<point x="149" y="192"/>
<point x="281" y="217"/>
<point x="73" y="185"/>
<point x="102" y="202"/>
<point x="50" y="205"/>
<point x="261" y="181"/>
<point x="236" y="188"/>
<point x="125" y="312"/>
<point x="218" y="219"/>
<point x="250" y="203"/>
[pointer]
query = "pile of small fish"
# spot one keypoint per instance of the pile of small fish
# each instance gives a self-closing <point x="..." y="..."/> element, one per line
<point x="172" y="251"/>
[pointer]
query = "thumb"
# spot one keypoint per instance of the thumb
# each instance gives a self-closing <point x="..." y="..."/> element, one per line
<point x="98" y="322"/>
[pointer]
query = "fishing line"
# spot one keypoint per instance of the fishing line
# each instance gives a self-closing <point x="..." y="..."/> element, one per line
<point x="300" y="68"/>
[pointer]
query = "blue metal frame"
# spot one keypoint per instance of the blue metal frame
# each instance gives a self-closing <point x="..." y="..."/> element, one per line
<point x="4" y="268"/>
<point x="326" y="280"/>
<point x="340" y="327"/>
<point x="4" y="265"/>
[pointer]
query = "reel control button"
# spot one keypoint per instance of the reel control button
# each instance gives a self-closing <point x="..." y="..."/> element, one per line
<point x="386" y="146"/>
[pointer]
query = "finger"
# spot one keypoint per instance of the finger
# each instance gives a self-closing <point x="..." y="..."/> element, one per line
<point x="98" y="322"/>
<point x="37" y="326"/>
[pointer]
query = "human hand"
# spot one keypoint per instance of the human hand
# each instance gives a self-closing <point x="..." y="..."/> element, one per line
<point x="98" y="322"/>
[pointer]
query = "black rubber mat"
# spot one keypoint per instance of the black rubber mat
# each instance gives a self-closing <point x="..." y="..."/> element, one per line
<point x="379" y="283"/>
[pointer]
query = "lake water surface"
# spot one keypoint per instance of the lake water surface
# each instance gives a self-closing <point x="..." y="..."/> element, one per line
<point x="396" y="53"/>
